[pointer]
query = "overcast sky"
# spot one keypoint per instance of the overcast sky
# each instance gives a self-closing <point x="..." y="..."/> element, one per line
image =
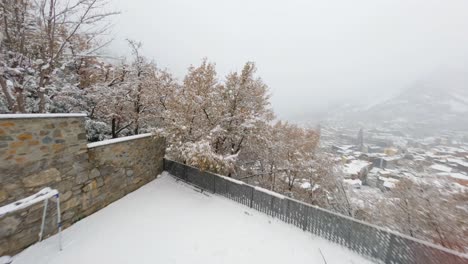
<point x="312" y="53"/>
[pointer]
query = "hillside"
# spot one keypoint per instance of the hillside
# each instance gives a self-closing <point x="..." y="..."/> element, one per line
<point x="438" y="103"/>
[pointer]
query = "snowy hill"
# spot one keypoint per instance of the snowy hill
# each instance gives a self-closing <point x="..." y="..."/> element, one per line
<point x="437" y="103"/>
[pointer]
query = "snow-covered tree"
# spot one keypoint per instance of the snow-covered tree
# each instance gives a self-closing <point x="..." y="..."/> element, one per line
<point x="41" y="46"/>
<point x="225" y="116"/>
<point x="428" y="211"/>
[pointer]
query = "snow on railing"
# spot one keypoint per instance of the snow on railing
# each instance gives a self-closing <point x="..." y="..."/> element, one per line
<point x="42" y="196"/>
<point x="379" y="244"/>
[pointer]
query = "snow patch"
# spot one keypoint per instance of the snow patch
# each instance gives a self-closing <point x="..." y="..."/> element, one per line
<point x="354" y="183"/>
<point x="356" y="167"/>
<point x="269" y="192"/>
<point x="117" y="140"/>
<point x="22" y="116"/>
<point x="167" y="222"/>
<point x="439" y="167"/>
<point x="231" y="179"/>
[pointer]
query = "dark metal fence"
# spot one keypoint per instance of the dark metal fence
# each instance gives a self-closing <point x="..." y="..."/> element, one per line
<point x="374" y="242"/>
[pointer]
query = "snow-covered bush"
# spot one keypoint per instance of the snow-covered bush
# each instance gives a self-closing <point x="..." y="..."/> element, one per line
<point x="97" y="130"/>
<point x="201" y="155"/>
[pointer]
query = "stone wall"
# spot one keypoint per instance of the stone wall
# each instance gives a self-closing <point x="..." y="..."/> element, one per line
<point x="52" y="151"/>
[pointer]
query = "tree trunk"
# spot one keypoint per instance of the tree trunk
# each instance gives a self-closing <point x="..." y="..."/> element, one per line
<point x="8" y="96"/>
<point x="114" y="134"/>
<point x="20" y="100"/>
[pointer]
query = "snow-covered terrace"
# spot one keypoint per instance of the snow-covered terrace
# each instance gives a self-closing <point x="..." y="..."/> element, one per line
<point x="168" y="221"/>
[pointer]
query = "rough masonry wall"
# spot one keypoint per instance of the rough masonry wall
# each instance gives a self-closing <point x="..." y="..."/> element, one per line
<point x="52" y="152"/>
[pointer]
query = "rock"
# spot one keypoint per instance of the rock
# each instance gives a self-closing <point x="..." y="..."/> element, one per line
<point x="73" y="202"/>
<point x="24" y="136"/>
<point x="57" y="133"/>
<point x="7" y="124"/>
<point x="100" y="182"/>
<point x="8" y="226"/>
<point x="6" y="138"/>
<point x="68" y="215"/>
<point x="42" y="178"/>
<point x="82" y="136"/>
<point x="81" y="178"/>
<point x="80" y="167"/>
<point x="65" y="186"/>
<point x="94" y="173"/>
<point x="66" y="196"/>
<point x="129" y="173"/>
<point x="90" y="186"/>
<point x="137" y="180"/>
<point x="47" y="140"/>
<point x="3" y="195"/>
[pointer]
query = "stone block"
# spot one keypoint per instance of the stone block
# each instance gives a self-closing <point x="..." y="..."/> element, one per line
<point x="6" y="138"/>
<point x="47" y="140"/>
<point x="7" y="124"/>
<point x="42" y="178"/>
<point x="68" y="215"/>
<point x="67" y="195"/>
<point x="49" y="126"/>
<point x="16" y="144"/>
<point x="94" y="173"/>
<point x="24" y="136"/>
<point x="3" y="196"/>
<point x="57" y="133"/>
<point x="33" y="143"/>
<point x="71" y="203"/>
<point x="82" y="136"/>
<point x="90" y="186"/>
<point x="81" y="178"/>
<point x="8" y="226"/>
<point x="65" y="186"/>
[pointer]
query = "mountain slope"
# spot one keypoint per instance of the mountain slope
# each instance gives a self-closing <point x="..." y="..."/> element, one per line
<point x="440" y="102"/>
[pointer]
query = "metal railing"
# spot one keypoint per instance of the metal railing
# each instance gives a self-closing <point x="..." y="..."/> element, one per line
<point x="374" y="242"/>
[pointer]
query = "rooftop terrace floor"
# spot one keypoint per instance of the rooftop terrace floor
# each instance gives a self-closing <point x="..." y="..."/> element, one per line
<point x="167" y="221"/>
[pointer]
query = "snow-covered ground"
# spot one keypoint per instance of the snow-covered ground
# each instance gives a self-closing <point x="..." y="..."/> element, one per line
<point x="170" y="222"/>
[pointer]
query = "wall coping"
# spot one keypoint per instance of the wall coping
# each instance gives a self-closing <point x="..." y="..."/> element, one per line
<point x="117" y="140"/>
<point x="54" y="115"/>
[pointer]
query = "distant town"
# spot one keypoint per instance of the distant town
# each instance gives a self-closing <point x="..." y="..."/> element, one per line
<point x="380" y="158"/>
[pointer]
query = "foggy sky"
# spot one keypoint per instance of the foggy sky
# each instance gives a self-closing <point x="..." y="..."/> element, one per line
<point x="313" y="54"/>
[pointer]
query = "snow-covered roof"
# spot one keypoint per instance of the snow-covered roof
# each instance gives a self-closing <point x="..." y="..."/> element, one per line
<point x="117" y="140"/>
<point x="355" y="183"/>
<point x="440" y="167"/>
<point x="355" y="167"/>
<point x="23" y="116"/>
<point x="166" y="221"/>
<point x="389" y="184"/>
<point x="455" y="175"/>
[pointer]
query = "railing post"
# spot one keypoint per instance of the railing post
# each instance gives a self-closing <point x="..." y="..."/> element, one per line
<point x="214" y="183"/>
<point x="389" y="255"/>
<point x="46" y="201"/>
<point x="251" y="196"/>
<point x="305" y="221"/>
